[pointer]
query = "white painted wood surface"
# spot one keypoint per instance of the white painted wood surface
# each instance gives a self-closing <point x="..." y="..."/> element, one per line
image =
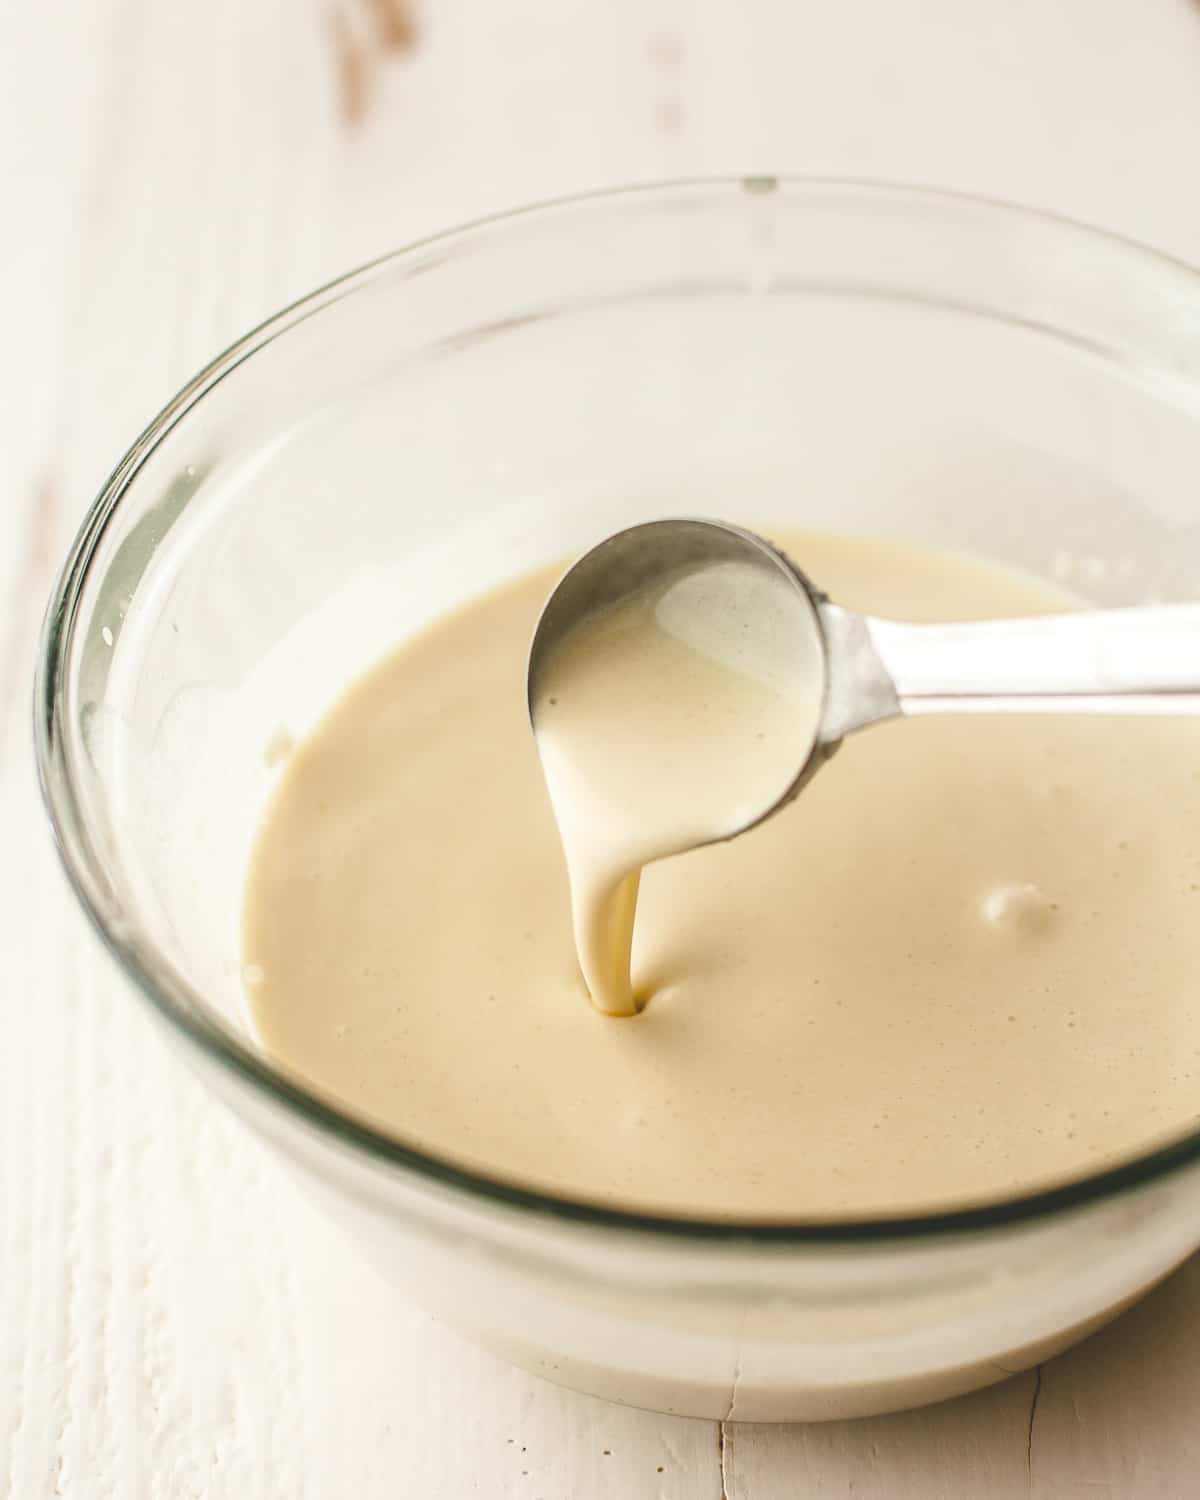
<point x="172" y="1323"/>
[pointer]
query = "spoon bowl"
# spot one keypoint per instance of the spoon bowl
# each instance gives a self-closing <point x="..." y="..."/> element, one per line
<point x="724" y="592"/>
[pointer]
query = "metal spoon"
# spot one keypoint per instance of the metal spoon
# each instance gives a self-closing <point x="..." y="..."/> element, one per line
<point x="1142" y="660"/>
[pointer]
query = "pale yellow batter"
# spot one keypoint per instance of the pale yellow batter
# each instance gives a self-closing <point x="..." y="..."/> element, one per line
<point x="677" y="717"/>
<point x="962" y="964"/>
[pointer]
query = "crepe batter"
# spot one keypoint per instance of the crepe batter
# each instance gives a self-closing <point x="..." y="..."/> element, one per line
<point x="677" y="717"/>
<point x="961" y="965"/>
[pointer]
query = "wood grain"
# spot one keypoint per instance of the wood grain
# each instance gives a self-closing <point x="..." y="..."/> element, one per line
<point x="172" y="1323"/>
<point x="977" y="1445"/>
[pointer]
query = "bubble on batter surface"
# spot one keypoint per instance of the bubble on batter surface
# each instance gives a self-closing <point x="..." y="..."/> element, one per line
<point x="1021" y="907"/>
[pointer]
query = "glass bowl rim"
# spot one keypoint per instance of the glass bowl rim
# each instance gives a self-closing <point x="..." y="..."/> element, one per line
<point x="185" y="1010"/>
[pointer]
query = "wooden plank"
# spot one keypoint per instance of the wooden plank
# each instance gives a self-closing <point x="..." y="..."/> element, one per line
<point x="1117" y="1416"/>
<point x="975" y="1446"/>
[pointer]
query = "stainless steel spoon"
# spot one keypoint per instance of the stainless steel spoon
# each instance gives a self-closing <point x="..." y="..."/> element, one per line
<point x="1141" y="660"/>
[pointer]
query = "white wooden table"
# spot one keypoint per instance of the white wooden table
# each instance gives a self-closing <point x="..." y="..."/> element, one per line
<point x="172" y="1323"/>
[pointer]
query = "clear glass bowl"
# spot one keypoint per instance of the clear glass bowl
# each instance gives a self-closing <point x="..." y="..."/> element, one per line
<point x="818" y="353"/>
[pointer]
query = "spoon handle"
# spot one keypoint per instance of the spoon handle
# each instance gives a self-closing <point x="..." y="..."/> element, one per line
<point x="1143" y="660"/>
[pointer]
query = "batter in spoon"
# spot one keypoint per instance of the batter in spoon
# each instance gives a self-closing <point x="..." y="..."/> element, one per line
<point x="666" y="721"/>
